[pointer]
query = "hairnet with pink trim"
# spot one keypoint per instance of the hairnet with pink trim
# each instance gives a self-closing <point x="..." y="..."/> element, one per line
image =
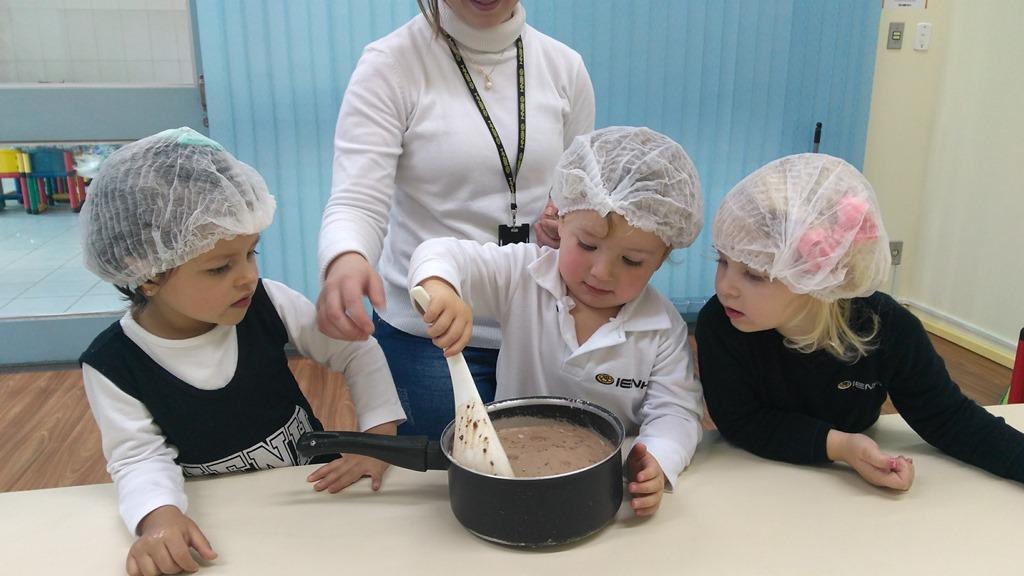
<point x="810" y="220"/>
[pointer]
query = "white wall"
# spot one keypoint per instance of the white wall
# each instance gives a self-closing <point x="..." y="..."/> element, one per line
<point x="945" y="152"/>
<point x="95" y="41"/>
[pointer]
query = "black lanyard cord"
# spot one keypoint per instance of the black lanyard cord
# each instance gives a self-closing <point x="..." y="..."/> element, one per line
<point x="510" y="175"/>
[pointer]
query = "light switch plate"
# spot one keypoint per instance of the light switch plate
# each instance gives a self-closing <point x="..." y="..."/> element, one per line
<point x="895" y="37"/>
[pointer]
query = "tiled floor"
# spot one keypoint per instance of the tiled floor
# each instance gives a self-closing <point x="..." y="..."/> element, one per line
<point x="41" y="270"/>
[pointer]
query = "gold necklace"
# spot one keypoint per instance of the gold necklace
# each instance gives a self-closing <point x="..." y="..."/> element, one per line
<point x="488" y="79"/>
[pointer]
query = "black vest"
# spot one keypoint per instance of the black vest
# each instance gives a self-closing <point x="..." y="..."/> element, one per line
<point x="252" y="423"/>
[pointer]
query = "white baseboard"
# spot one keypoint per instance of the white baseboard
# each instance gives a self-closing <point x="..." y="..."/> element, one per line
<point x="963" y="333"/>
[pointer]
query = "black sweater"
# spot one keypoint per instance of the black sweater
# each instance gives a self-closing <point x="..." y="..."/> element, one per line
<point x="780" y="404"/>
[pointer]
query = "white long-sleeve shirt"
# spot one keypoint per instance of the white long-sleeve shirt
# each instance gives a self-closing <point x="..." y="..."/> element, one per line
<point x="414" y="160"/>
<point x="637" y="365"/>
<point x="139" y="459"/>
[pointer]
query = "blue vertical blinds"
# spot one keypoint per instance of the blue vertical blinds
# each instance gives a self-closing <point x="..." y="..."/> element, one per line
<point x="736" y="82"/>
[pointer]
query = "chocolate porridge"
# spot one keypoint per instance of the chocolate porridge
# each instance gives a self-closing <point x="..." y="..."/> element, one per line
<point x="545" y="447"/>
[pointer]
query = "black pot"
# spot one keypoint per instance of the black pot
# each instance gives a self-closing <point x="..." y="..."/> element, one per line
<point x="526" y="512"/>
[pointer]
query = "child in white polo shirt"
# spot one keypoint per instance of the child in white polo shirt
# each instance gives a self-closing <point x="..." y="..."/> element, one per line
<point x="582" y="321"/>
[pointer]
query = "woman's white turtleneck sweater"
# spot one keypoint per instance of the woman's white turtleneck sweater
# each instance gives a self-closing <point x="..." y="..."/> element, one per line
<point x="413" y="159"/>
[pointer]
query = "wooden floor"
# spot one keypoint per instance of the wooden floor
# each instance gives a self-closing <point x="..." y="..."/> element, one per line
<point x="48" y="437"/>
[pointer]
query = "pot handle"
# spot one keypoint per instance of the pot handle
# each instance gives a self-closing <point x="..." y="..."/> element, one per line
<point x="411" y="452"/>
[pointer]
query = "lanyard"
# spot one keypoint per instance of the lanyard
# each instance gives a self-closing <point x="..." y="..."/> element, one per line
<point x="510" y="175"/>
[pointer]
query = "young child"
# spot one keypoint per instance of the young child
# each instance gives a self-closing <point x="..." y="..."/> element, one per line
<point x="798" y="351"/>
<point x="581" y="321"/>
<point x="193" y="380"/>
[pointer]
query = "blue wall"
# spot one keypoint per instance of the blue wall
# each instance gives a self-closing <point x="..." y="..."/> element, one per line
<point x="736" y="82"/>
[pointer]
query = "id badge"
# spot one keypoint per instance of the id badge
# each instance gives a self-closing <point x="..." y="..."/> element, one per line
<point x="513" y="234"/>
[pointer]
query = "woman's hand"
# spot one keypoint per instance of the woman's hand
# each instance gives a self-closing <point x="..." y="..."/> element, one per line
<point x="450" y="319"/>
<point x="338" y="474"/>
<point x="546" y="228"/>
<point x="339" y="309"/>
<point x="873" y="465"/>
<point x="165" y="536"/>
<point x="646" y="480"/>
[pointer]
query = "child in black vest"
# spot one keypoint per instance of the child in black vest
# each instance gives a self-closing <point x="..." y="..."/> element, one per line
<point x="193" y="380"/>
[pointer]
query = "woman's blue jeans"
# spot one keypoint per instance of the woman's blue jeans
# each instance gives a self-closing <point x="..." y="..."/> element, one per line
<point x="423" y="381"/>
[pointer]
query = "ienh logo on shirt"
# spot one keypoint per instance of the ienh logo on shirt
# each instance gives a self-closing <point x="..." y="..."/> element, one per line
<point x="847" y="384"/>
<point x="609" y="380"/>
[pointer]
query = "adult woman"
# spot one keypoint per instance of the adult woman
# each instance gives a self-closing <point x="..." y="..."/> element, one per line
<point x="432" y="141"/>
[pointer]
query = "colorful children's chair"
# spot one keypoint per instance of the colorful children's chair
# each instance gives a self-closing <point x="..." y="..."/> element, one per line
<point x="11" y="167"/>
<point x="33" y="195"/>
<point x="1015" y="395"/>
<point x="53" y="171"/>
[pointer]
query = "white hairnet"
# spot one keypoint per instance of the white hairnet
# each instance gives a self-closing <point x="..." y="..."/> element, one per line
<point x="165" y="199"/>
<point x="810" y="220"/>
<point x="636" y="172"/>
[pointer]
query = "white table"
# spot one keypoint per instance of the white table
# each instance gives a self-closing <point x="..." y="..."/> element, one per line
<point x="732" y="513"/>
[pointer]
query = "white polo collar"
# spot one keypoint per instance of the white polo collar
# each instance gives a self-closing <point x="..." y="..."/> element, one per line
<point x="645" y="312"/>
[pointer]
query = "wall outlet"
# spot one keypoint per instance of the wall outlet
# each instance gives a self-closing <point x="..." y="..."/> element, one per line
<point x="923" y="38"/>
<point x="896" y="250"/>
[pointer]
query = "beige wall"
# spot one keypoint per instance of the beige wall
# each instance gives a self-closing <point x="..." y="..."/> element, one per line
<point x="945" y="151"/>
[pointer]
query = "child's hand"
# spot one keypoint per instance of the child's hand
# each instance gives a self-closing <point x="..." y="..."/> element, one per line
<point x="873" y="465"/>
<point x="165" y="536"/>
<point x="646" y="480"/>
<point x="450" y="319"/>
<point x="706" y="422"/>
<point x="337" y="475"/>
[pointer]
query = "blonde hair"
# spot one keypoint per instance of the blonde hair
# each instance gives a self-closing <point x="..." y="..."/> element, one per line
<point x="832" y="331"/>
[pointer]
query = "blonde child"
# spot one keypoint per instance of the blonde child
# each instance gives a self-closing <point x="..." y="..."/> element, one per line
<point x="798" y="350"/>
<point x="582" y="321"/>
<point x="193" y="379"/>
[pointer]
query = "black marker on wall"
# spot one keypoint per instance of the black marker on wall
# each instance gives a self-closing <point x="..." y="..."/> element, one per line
<point x="817" y="137"/>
